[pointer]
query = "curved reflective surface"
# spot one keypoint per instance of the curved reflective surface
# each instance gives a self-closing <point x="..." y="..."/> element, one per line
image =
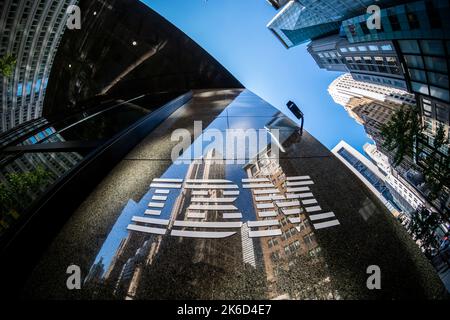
<point x="217" y="226"/>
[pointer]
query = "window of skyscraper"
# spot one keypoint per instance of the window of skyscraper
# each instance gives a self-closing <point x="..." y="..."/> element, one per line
<point x="364" y="28"/>
<point x="438" y="79"/>
<point x="440" y="93"/>
<point x="379" y="60"/>
<point x="409" y="46"/>
<point x="418" y="75"/>
<point x="373" y="48"/>
<point x="392" y="61"/>
<point x="433" y="14"/>
<point x="442" y="113"/>
<point x="432" y="47"/>
<point x="386" y="47"/>
<point x="436" y="64"/>
<point x="413" y="21"/>
<point x="414" y="61"/>
<point x="420" y="87"/>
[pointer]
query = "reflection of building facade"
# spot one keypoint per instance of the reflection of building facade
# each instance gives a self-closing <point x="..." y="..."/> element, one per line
<point x="248" y="246"/>
<point x="55" y="163"/>
<point x="220" y="254"/>
<point x="296" y="240"/>
<point x="121" y="277"/>
<point x="52" y="164"/>
<point x="31" y="33"/>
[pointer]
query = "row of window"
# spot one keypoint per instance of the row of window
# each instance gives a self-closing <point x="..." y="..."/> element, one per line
<point x="380" y="80"/>
<point x="364" y="48"/>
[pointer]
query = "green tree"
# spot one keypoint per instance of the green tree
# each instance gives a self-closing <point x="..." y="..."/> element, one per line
<point x="422" y="228"/>
<point x="7" y="65"/>
<point x="436" y="169"/>
<point x="15" y="193"/>
<point x="400" y="133"/>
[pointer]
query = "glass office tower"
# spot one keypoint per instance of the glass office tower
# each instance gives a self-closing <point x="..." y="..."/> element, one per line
<point x="302" y="20"/>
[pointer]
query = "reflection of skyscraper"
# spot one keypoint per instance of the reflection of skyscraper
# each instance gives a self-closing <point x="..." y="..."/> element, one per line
<point x="295" y="242"/>
<point x="95" y="274"/>
<point x="248" y="247"/>
<point x="55" y="163"/>
<point x="31" y="33"/>
<point x="126" y="268"/>
<point x="228" y="251"/>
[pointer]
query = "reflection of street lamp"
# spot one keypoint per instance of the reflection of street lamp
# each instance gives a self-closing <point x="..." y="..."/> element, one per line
<point x="297" y="113"/>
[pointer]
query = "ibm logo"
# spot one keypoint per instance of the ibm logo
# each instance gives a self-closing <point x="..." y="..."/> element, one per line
<point x="198" y="197"/>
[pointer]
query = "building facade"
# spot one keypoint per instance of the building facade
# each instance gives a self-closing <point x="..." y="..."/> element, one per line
<point x="302" y="20"/>
<point x="420" y="33"/>
<point x="404" y="194"/>
<point x="374" y="62"/>
<point x="372" y="106"/>
<point x="31" y="32"/>
<point x="367" y="172"/>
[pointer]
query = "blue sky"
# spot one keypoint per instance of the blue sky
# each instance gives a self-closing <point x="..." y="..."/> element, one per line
<point x="234" y="32"/>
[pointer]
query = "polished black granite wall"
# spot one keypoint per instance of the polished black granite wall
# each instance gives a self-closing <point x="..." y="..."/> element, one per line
<point x="191" y="268"/>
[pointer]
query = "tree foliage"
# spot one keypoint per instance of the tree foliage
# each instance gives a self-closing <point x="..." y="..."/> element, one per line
<point x="436" y="171"/>
<point x="15" y="193"/>
<point x="422" y="228"/>
<point x="400" y="132"/>
<point x="7" y="65"/>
